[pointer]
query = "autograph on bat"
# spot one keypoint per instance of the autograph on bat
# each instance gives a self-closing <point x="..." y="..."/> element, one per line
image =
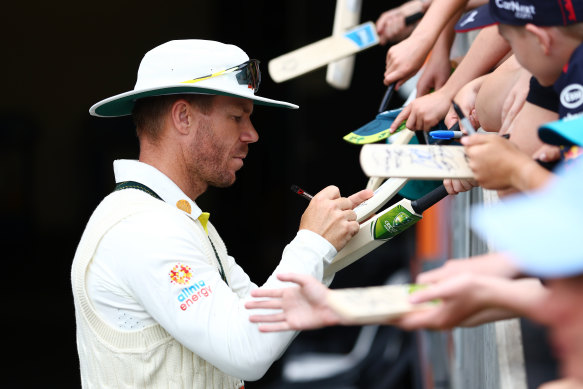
<point x="427" y="157"/>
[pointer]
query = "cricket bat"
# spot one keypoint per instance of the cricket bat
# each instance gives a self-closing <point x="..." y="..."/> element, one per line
<point x="322" y="52"/>
<point x="374" y="304"/>
<point x="347" y="15"/>
<point x="375" y="182"/>
<point x="330" y="49"/>
<point x="420" y="162"/>
<point x="383" y="227"/>
<point x="385" y="191"/>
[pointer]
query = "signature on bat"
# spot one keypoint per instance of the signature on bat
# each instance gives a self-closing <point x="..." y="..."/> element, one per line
<point x="435" y="158"/>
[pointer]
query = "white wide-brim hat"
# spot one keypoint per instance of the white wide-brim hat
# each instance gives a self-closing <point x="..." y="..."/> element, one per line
<point x="166" y="70"/>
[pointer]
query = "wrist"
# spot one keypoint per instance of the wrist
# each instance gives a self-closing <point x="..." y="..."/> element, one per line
<point x="446" y="92"/>
<point x="330" y="316"/>
<point x="528" y="175"/>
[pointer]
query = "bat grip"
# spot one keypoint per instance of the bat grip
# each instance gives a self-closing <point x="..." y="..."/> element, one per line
<point x="389" y="93"/>
<point x="455" y="127"/>
<point x="425" y="202"/>
<point x="387" y="98"/>
<point x="413" y="18"/>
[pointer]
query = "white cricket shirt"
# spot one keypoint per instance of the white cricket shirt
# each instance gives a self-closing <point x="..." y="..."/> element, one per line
<point x="138" y="278"/>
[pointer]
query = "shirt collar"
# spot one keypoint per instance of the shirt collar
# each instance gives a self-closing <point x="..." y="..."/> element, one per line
<point x="132" y="170"/>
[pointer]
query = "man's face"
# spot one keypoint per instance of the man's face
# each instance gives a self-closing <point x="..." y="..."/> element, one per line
<point x="564" y="316"/>
<point x="221" y="141"/>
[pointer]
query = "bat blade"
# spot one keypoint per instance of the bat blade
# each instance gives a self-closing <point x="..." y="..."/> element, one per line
<point x="373" y="233"/>
<point x="421" y="162"/>
<point x="382" y="195"/>
<point x="347" y="15"/>
<point x="322" y="52"/>
<point x="383" y="227"/>
<point x="375" y="303"/>
<point x="387" y="190"/>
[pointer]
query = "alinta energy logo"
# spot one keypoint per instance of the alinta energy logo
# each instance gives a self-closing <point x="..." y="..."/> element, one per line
<point x="180" y="274"/>
<point x="192" y="291"/>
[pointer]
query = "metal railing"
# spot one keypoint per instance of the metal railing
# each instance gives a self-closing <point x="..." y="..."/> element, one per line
<point x="489" y="356"/>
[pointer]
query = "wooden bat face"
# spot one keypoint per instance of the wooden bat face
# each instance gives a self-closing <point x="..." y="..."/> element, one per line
<point x="422" y="162"/>
<point x="320" y="53"/>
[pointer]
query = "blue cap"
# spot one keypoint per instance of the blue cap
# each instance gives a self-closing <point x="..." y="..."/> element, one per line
<point x="564" y="132"/>
<point x="477" y="18"/>
<point x="537" y="12"/>
<point x="541" y="231"/>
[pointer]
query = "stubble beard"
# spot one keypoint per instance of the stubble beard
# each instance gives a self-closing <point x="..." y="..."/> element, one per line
<point x="209" y="165"/>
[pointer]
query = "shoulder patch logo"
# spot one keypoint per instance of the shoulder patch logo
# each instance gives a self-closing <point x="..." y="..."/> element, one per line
<point x="572" y="96"/>
<point x="180" y="274"/>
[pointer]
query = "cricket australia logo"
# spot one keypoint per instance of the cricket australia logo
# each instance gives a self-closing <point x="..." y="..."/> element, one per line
<point x="397" y="222"/>
<point x="572" y="96"/>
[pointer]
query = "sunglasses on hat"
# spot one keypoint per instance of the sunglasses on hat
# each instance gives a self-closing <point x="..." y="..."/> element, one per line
<point x="248" y="74"/>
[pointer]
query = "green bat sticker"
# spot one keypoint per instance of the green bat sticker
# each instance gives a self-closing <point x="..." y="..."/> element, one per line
<point x="393" y="223"/>
<point x="417" y="287"/>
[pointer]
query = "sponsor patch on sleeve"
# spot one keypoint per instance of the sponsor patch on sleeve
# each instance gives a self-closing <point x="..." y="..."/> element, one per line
<point x="193" y="290"/>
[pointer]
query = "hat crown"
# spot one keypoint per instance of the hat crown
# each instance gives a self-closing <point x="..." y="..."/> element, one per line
<point x="168" y="68"/>
<point x="537" y="12"/>
<point x="178" y="61"/>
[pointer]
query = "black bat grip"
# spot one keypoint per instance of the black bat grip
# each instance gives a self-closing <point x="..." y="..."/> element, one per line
<point x="390" y="89"/>
<point x="425" y="202"/>
<point x="455" y="127"/>
<point x="387" y="98"/>
<point x="413" y="18"/>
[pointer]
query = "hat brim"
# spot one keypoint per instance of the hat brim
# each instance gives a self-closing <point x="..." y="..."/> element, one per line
<point x="123" y="103"/>
<point x="564" y="132"/>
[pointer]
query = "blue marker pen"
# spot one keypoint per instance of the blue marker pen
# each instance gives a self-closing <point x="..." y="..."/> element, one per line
<point x="446" y="134"/>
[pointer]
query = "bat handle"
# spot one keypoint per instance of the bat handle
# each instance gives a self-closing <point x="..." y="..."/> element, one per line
<point x="425" y="202"/>
<point x="387" y="98"/>
<point x="413" y="18"/>
<point x="389" y="93"/>
<point x="455" y="127"/>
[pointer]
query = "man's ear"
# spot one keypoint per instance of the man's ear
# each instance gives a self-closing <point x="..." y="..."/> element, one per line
<point x="182" y="116"/>
<point x="542" y="35"/>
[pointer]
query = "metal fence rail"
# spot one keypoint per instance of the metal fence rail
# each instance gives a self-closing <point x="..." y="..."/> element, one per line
<point x="489" y="356"/>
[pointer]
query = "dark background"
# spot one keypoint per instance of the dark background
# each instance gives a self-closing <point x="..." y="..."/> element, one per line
<point x="59" y="58"/>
